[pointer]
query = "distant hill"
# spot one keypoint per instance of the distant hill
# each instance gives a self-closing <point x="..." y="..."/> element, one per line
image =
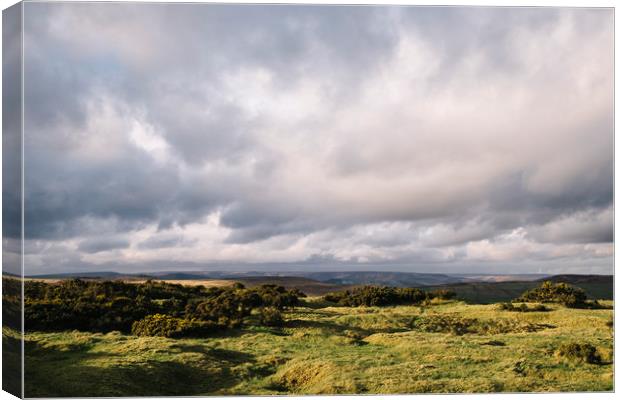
<point x="474" y="288"/>
<point x="90" y="275"/>
<point x="399" y="279"/>
<point x="502" y="277"/>
<point x="388" y="278"/>
<point x="596" y="287"/>
<point x="179" y="275"/>
<point x="577" y="279"/>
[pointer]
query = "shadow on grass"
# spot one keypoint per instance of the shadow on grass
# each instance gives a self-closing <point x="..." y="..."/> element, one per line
<point x="11" y="363"/>
<point x="54" y="372"/>
<point x="593" y="305"/>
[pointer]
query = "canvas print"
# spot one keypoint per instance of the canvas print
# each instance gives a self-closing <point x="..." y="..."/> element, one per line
<point x="251" y="199"/>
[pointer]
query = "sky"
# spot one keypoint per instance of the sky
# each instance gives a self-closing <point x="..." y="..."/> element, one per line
<point x="232" y="137"/>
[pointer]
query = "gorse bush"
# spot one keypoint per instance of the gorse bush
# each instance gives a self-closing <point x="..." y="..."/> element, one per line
<point x="385" y="296"/>
<point x="111" y="305"/>
<point x="443" y="294"/>
<point x="270" y="316"/>
<point x="550" y="292"/>
<point x="172" y="327"/>
<point x="580" y="352"/>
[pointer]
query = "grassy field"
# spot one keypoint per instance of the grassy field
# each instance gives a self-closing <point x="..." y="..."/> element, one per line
<point x="323" y="350"/>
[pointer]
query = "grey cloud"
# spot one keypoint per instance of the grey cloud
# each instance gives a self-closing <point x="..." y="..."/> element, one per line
<point x="165" y="241"/>
<point x="11" y="131"/>
<point x="291" y="121"/>
<point x="98" y="245"/>
<point x="593" y="226"/>
<point x="194" y="43"/>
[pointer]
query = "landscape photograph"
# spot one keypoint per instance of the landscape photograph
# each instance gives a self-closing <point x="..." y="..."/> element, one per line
<point x="295" y="199"/>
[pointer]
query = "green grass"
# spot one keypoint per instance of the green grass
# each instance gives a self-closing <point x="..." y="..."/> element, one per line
<point x="331" y="350"/>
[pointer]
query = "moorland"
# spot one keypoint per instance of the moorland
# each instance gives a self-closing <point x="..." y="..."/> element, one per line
<point x="136" y="338"/>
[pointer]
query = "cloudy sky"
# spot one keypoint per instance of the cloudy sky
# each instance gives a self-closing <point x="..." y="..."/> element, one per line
<point x="318" y="137"/>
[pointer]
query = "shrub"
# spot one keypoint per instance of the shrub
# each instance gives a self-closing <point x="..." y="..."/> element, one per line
<point x="581" y="352"/>
<point x="563" y="293"/>
<point x="104" y="306"/>
<point x="277" y="296"/>
<point x="171" y="327"/>
<point x="271" y="316"/>
<point x="384" y="296"/>
<point x="443" y="294"/>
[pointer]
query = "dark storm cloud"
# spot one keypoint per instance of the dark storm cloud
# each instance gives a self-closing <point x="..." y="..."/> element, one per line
<point x="393" y="132"/>
<point x="11" y="131"/>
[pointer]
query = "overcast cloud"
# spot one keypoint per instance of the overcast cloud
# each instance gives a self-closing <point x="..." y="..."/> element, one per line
<point x="402" y="138"/>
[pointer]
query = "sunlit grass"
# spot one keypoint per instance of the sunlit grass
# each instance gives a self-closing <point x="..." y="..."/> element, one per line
<point x="331" y="350"/>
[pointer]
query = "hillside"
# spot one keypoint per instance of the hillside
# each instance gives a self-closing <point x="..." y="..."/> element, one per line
<point x="595" y="286"/>
<point x="387" y="278"/>
<point x="581" y="279"/>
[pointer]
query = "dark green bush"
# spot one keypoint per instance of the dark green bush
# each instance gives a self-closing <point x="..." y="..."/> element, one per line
<point x="104" y="306"/>
<point x="443" y="294"/>
<point x="171" y="327"/>
<point x="550" y="292"/>
<point x="270" y="316"/>
<point x="385" y="296"/>
<point x="581" y="352"/>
